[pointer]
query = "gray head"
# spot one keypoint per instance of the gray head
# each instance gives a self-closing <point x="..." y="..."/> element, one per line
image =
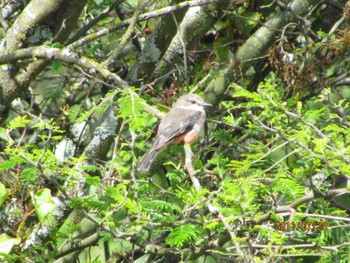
<point x="192" y="102"/>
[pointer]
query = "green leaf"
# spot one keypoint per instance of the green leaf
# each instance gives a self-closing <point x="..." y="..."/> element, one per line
<point x="57" y="66"/>
<point x="14" y="161"/>
<point x="212" y="225"/>
<point x="29" y="175"/>
<point x="7" y="165"/>
<point x="131" y="108"/>
<point x="44" y="124"/>
<point x="246" y="21"/>
<point x="160" y="205"/>
<point x="90" y="168"/>
<point x="115" y="193"/>
<point x="44" y="205"/>
<point x="4" y="193"/>
<point x="222" y="48"/>
<point x="18" y="122"/>
<point x="315" y="114"/>
<point x="7" y="243"/>
<point x="240" y="92"/>
<point x="182" y="235"/>
<point x="322" y="34"/>
<point x="93" y="180"/>
<point x="224" y="136"/>
<point x="290" y="189"/>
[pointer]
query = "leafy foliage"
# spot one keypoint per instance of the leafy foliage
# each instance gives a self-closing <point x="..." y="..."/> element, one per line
<point x="271" y="176"/>
<point x="131" y="109"/>
<point x="182" y="235"/>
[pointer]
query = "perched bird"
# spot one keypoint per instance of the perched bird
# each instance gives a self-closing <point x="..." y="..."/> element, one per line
<point x="182" y="123"/>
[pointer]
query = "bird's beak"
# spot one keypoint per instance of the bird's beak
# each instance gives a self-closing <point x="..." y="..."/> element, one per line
<point x="204" y="104"/>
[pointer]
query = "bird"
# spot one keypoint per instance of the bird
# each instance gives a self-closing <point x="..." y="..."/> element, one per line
<point x="182" y="123"/>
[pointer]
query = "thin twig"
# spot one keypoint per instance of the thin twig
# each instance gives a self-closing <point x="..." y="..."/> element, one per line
<point x="115" y="54"/>
<point x="146" y="16"/>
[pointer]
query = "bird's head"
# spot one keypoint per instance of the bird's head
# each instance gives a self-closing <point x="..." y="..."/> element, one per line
<point x="192" y="102"/>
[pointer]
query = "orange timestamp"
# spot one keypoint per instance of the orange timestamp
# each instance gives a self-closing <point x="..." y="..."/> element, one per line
<point x="303" y="226"/>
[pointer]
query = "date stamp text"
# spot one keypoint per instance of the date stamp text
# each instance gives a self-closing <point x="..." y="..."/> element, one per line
<point x="301" y="226"/>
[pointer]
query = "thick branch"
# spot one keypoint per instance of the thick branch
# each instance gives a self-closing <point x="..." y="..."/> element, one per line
<point x="35" y="12"/>
<point x="64" y="55"/>
<point x="254" y="48"/>
<point x="194" y="26"/>
<point x="60" y="16"/>
<point x="155" y="47"/>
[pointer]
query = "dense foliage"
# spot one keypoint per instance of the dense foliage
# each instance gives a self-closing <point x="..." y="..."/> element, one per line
<point x="84" y="82"/>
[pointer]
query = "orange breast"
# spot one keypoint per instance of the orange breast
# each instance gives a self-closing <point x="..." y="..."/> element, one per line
<point x="189" y="137"/>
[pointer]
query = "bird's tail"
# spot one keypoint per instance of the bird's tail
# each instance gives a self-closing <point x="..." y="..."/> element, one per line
<point x="147" y="160"/>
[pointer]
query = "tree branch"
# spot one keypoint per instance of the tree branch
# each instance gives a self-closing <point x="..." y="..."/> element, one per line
<point x="305" y="199"/>
<point x="115" y="54"/>
<point x="253" y="49"/>
<point x="146" y="16"/>
<point x="188" y="34"/>
<point x="65" y="55"/>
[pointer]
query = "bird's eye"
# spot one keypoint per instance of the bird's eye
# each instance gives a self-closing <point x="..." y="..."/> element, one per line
<point x="193" y="101"/>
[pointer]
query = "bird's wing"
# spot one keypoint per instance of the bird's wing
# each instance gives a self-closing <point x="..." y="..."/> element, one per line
<point x="174" y="124"/>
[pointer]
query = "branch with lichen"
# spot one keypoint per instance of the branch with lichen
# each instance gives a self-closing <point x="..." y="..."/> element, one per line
<point x="65" y="55"/>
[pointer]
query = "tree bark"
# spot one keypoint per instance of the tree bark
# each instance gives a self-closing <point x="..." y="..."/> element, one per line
<point x="254" y="48"/>
<point x="195" y="25"/>
<point x="61" y="16"/>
